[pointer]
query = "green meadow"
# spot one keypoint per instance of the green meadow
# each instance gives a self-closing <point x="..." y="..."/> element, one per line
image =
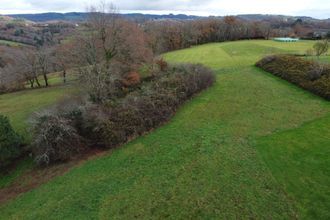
<point x="251" y="147"/>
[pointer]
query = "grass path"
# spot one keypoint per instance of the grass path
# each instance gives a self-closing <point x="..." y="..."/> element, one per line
<point x="233" y="152"/>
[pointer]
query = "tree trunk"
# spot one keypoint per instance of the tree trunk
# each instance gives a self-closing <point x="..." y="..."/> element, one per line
<point x="64" y="76"/>
<point x="37" y="81"/>
<point x="31" y="81"/>
<point x="46" y="79"/>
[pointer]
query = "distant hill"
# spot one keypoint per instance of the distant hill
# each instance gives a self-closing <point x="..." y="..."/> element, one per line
<point x="4" y="19"/>
<point x="262" y="17"/>
<point x="80" y="16"/>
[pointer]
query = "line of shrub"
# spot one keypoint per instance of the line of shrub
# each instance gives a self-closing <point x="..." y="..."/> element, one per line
<point x="310" y="75"/>
<point x="58" y="136"/>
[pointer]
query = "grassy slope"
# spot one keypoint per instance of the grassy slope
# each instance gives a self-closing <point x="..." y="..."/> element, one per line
<point x="204" y="163"/>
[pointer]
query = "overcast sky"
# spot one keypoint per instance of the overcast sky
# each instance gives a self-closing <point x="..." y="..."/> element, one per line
<point x="314" y="8"/>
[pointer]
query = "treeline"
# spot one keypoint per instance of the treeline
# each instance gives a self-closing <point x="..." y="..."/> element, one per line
<point x="168" y="35"/>
<point x="171" y="35"/>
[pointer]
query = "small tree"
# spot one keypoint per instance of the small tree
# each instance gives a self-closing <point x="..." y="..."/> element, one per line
<point x="64" y="58"/>
<point x="321" y="47"/>
<point x="28" y="67"/>
<point x="10" y="142"/>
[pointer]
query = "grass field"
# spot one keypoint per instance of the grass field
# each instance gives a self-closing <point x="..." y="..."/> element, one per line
<point x="251" y="147"/>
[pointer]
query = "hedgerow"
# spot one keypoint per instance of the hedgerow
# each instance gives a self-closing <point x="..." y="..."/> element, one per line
<point x="150" y="106"/>
<point x="109" y="124"/>
<point x="310" y="75"/>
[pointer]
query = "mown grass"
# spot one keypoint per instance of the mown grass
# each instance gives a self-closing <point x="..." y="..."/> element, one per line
<point x="299" y="159"/>
<point x="216" y="159"/>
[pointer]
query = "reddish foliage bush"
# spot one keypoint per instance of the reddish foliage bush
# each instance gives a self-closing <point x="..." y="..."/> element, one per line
<point x="131" y="79"/>
<point x="162" y="64"/>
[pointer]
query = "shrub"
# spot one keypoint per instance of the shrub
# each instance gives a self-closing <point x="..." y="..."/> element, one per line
<point x="55" y="139"/>
<point x="321" y="47"/>
<point x="10" y="142"/>
<point x="132" y="79"/>
<point x="101" y="82"/>
<point x="162" y="64"/>
<point x="310" y="75"/>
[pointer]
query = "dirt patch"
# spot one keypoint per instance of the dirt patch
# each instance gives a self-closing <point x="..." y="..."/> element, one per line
<point x="35" y="177"/>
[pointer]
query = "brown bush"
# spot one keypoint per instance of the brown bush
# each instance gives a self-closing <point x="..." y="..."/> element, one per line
<point x="310" y="75"/>
<point x="162" y="64"/>
<point x="131" y="79"/>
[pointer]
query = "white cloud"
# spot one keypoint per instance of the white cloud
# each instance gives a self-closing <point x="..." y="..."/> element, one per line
<point x="316" y="8"/>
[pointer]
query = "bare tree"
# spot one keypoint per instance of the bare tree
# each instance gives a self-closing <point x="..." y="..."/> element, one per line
<point x="104" y="24"/>
<point x="44" y="61"/>
<point x="28" y="66"/>
<point x="64" y="58"/>
<point x="112" y="48"/>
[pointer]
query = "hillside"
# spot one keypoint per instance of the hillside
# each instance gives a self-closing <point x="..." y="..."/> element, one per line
<point x="252" y="146"/>
<point x="81" y="16"/>
<point x="5" y="19"/>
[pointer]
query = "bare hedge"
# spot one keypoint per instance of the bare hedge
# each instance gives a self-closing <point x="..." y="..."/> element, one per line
<point x="58" y="137"/>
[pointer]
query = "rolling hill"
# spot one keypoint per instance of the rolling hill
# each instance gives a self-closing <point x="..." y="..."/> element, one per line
<point x="252" y="146"/>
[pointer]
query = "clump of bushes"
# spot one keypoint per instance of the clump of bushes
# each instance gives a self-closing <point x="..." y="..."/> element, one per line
<point x="59" y="136"/>
<point x="310" y="75"/>
<point x="10" y="142"/>
<point x="150" y="106"/>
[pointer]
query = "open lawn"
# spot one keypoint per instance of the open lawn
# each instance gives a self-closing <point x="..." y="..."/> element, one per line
<point x="251" y="147"/>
